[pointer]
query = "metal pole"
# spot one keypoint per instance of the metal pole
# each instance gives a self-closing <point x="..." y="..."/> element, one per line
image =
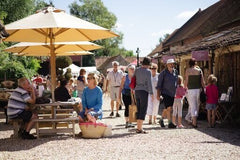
<point x="137" y="51"/>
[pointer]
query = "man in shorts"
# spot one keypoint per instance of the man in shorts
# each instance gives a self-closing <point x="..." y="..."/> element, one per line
<point x="23" y="95"/>
<point x="167" y="83"/>
<point x="114" y="78"/>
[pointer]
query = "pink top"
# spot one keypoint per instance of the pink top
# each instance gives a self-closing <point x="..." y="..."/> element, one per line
<point x="180" y="92"/>
<point x="212" y="94"/>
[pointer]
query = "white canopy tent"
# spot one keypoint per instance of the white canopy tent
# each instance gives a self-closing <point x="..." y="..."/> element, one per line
<point x="76" y="69"/>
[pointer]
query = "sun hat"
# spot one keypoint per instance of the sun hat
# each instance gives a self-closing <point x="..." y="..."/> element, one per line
<point x="170" y="61"/>
<point x="131" y="66"/>
<point x="115" y="62"/>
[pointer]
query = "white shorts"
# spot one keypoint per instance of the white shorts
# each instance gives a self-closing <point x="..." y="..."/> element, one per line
<point x="114" y="93"/>
<point x="194" y="101"/>
<point x="177" y="107"/>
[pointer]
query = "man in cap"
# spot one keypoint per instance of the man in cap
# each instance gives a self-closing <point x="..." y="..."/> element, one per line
<point x="167" y="84"/>
<point x="114" y="78"/>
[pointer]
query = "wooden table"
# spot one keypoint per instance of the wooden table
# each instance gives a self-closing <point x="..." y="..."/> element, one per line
<point x="54" y="119"/>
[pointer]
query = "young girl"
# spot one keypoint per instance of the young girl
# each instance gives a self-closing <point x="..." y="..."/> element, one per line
<point x="212" y="99"/>
<point x="178" y="103"/>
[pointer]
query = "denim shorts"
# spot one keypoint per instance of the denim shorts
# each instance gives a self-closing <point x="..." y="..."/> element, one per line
<point x="92" y="113"/>
<point x="211" y="106"/>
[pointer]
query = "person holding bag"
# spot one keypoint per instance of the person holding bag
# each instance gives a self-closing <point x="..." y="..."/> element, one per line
<point x="125" y="91"/>
<point x="142" y="90"/>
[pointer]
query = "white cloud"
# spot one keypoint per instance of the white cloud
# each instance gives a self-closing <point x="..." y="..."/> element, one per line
<point x="161" y="33"/>
<point x="186" y="14"/>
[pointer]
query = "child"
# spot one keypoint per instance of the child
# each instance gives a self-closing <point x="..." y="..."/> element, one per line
<point x="212" y="99"/>
<point x="178" y="103"/>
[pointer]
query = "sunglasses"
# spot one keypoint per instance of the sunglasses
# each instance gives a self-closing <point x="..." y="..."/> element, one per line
<point x="88" y="78"/>
<point x="153" y="68"/>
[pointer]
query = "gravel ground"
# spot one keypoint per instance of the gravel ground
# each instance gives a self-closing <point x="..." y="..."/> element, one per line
<point x="159" y="143"/>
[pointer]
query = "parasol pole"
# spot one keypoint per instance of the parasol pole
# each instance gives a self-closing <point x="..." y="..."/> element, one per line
<point x="52" y="64"/>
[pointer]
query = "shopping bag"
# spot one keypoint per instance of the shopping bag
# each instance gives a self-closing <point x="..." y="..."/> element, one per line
<point x="92" y="130"/>
<point x="133" y="110"/>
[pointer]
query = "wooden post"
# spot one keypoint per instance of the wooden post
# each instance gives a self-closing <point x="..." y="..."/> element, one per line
<point x="52" y="64"/>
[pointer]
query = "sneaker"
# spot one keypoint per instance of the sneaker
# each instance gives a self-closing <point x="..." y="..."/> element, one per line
<point x="161" y="123"/>
<point x="171" y="125"/>
<point x="26" y="135"/>
<point x="111" y="114"/>
<point x="180" y="126"/>
<point x="118" y="115"/>
<point x="130" y="125"/>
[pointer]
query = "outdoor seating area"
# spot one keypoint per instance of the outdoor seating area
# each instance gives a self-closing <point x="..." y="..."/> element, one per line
<point x="59" y="120"/>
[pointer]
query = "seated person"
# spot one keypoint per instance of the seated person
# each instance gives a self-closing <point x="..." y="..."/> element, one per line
<point x="91" y="100"/>
<point x="38" y="79"/>
<point x="61" y="93"/>
<point x="17" y="105"/>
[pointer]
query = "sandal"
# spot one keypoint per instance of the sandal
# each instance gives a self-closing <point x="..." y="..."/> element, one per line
<point x="141" y="131"/>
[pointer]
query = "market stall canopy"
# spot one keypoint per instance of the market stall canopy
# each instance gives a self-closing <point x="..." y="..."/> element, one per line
<point x="60" y="48"/>
<point x="76" y="69"/>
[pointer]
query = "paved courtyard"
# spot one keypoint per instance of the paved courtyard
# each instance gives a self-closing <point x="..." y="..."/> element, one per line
<point x="159" y="143"/>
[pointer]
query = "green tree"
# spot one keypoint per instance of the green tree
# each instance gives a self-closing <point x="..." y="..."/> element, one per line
<point x="94" y="11"/>
<point x="39" y="4"/>
<point x="16" y="9"/>
<point x="165" y="36"/>
<point x="13" y="67"/>
<point x="63" y="61"/>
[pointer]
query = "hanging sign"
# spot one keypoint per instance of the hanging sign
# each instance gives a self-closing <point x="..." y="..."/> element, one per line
<point x="201" y="55"/>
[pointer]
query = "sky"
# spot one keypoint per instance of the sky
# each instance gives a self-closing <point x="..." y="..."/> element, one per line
<point x="143" y="22"/>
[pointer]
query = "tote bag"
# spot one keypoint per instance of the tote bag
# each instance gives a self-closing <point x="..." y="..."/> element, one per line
<point x="133" y="110"/>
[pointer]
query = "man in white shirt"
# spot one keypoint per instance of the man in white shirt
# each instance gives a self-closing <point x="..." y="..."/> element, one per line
<point x="114" y="78"/>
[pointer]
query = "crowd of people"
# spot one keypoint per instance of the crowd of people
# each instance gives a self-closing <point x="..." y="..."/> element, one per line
<point x="151" y="91"/>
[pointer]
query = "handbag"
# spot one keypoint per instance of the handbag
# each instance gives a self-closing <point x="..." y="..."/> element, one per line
<point x="132" y="85"/>
<point x="133" y="110"/>
<point x="203" y="96"/>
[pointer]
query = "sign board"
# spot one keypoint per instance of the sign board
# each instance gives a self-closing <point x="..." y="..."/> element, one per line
<point x="201" y="55"/>
<point x="166" y="57"/>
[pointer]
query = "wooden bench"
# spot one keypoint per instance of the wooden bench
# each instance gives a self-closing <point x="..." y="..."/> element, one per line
<point x="18" y="127"/>
<point x="54" y="128"/>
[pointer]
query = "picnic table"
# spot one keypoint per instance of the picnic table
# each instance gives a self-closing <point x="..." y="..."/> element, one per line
<point x="65" y="116"/>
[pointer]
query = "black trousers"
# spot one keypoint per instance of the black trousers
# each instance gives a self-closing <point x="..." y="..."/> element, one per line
<point x="127" y="101"/>
<point x="142" y="103"/>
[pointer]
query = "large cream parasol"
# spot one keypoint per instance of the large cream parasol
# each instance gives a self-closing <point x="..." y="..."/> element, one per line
<point x="74" y="53"/>
<point x="60" y="48"/>
<point x="52" y="25"/>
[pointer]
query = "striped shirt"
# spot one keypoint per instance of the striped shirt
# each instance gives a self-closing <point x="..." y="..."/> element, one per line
<point x="17" y="102"/>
